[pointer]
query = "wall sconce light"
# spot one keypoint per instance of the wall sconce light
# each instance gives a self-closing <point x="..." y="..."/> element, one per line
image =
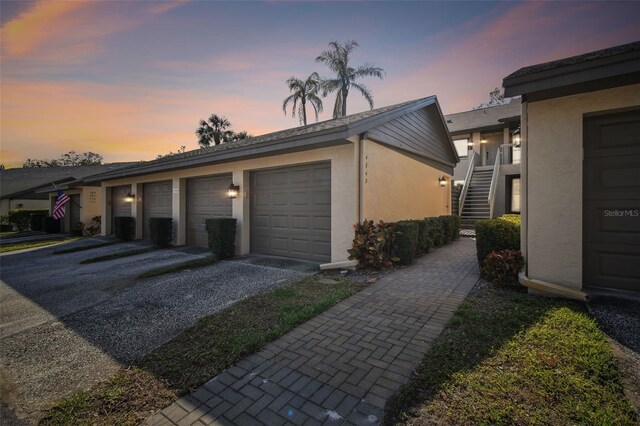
<point x="129" y="198"/>
<point x="442" y="181"/>
<point x="233" y="191"/>
<point x="483" y="141"/>
<point x="470" y="145"/>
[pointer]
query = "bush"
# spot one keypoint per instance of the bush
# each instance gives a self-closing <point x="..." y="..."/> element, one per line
<point x="51" y="225"/>
<point x="124" y="228"/>
<point x="161" y="231"/>
<point x="94" y="227"/>
<point x="37" y="221"/>
<point x="450" y="228"/>
<point x="496" y="235"/>
<point x="502" y="268"/>
<point x="405" y="241"/>
<point x="424" y="245"/>
<point x="222" y="236"/>
<point x="21" y="218"/>
<point x="434" y="231"/>
<point x="373" y="244"/>
<point x="513" y="218"/>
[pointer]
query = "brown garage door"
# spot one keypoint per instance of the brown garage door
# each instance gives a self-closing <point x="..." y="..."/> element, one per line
<point x="156" y="202"/>
<point x="611" y="201"/>
<point x="206" y="198"/>
<point x="291" y="212"/>
<point x="120" y="207"/>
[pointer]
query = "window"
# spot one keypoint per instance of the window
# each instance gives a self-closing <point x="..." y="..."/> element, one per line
<point x="513" y="194"/>
<point x="462" y="147"/>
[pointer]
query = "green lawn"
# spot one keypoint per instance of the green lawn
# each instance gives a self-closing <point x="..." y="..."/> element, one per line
<point x="212" y="345"/>
<point x="187" y="264"/>
<point x="34" y="244"/>
<point x="508" y="358"/>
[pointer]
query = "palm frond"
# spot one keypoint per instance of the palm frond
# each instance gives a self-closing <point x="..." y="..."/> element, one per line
<point x="365" y="92"/>
<point x="367" y="71"/>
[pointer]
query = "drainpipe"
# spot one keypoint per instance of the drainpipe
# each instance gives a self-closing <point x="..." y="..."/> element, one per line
<point x="361" y="139"/>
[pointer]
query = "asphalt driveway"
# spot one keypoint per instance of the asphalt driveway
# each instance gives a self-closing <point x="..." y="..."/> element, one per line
<point x="66" y="326"/>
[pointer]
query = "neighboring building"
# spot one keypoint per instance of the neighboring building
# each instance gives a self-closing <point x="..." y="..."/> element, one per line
<point x="30" y="188"/>
<point x="300" y="190"/>
<point x="481" y="137"/>
<point x="581" y="170"/>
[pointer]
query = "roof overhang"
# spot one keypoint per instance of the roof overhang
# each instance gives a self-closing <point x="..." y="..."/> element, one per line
<point x="34" y="192"/>
<point x="596" y="74"/>
<point x="319" y="139"/>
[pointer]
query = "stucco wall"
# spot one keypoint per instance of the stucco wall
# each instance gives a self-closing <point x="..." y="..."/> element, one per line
<point x="397" y="187"/>
<point x="554" y="180"/>
<point x="344" y="200"/>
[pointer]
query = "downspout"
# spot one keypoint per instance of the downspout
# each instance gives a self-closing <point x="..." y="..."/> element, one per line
<point x="361" y="140"/>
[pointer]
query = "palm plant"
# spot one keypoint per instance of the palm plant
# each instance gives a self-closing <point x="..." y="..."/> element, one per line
<point x="303" y="91"/>
<point x="337" y="59"/>
<point x="212" y="130"/>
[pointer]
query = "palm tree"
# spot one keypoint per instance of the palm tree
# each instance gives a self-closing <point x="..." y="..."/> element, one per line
<point x="231" y="136"/>
<point x="212" y="130"/>
<point x="337" y="59"/>
<point x="303" y="91"/>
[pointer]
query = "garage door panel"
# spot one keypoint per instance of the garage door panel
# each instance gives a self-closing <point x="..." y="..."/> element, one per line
<point x="206" y="198"/>
<point x="298" y="211"/>
<point x="156" y="202"/>
<point x="611" y="201"/>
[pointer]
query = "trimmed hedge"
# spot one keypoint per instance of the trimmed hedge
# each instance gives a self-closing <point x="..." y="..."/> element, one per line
<point x="496" y="235"/>
<point x="424" y="245"/>
<point x="406" y="241"/>
<point x="51" y="225"/>
<point x="21" y="218"/>
<point x="124" y="228"/>
<point x="514" y="218"/>
<point x="161" y="231"/>
<point x="450" y="228"/>
<point x="222" y="236"/>
<point x="435" y="233"/>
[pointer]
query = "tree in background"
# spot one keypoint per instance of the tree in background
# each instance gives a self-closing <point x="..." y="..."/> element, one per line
<point x="69" y="159"/>
<point x="303" y="92"/>
<point x="337" y="59"/>
<point x="496" y="98"/>
<point x="217" y="129"/>
<point x="182" y="150"/>
<point x="2" y="167"/>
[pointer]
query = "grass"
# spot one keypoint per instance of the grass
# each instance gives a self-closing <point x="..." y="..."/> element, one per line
<point x="2" y="234"/>
<point x="119" y="254"/>
<point x="85" y="247"/>
<point x="34" y="244"/>
<point x="187" y="264"/>
<point x="199" y="353"/>
<point x="508" y="358"/>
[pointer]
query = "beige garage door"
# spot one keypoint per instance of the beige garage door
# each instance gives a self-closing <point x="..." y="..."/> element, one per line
<point x="156" y="202"/>
<point x="119" y="207"/>
<point x="291" y="212"/>
<point x="206" y="198"/>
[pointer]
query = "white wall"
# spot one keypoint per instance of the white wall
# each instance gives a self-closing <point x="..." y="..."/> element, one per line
<point x="554" y="180"/>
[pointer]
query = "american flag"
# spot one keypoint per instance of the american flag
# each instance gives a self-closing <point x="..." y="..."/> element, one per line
<point x="58" y="207"/>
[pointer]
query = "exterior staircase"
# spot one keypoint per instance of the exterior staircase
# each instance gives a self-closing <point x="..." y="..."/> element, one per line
<point x="476" y="205"/>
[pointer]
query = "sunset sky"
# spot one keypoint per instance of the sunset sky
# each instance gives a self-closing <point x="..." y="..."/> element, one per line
<point x="131" y="79"/>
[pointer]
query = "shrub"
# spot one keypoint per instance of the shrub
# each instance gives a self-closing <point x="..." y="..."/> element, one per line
<point x="405" y="241"/>
<point x="94" y="227"/>
<point x="447" y="232"/>
<point x="124" y="228"/>
<point x="502" y="268"/>
<point x="496" y="235"/>
<point x="373" y="244"/>
<point x="222" y="236"/>
<point x="37" y="221"/>
<point x="161" y="231"/>
<point x="434" y="231"/>
<point x="20" y="218"/>
<point x="513" y="218"/>
<point x="455" y="224"/>
<point x="78" y="229"/>
<point x="424" y="244"/>
<point x="51" y="225"/>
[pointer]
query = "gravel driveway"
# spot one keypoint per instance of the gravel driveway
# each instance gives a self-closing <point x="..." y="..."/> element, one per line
<point x="66" y="326"/>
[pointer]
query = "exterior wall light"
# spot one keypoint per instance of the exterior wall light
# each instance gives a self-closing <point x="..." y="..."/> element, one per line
<point x="129" y="198"/>
<point x="483" y="141"/>
<point x="470" y="144"/>
<point x="233" y="191"/>
<point x="442" y="181"/>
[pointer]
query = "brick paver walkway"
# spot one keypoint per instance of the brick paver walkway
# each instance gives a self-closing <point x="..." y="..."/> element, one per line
<point x="343" y="365"/>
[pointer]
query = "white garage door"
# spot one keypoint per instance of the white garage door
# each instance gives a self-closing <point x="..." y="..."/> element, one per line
<point x="206" y="198"/>
<point x="156" y="202"/>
